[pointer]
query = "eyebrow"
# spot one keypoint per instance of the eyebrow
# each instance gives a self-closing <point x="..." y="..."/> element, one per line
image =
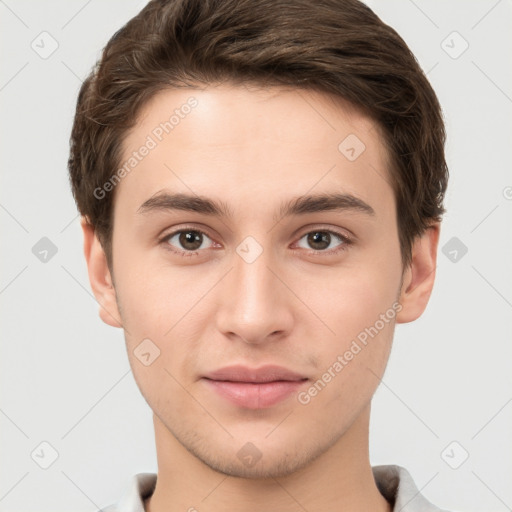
<point x="164" y="201"/>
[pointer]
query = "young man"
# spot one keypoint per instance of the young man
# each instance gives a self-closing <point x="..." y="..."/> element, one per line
<point x="261" y="184"/>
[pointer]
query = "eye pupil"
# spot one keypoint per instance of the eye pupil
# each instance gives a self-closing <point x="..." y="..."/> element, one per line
<point x="319" y="237"/>
<point x="190" y="237"/>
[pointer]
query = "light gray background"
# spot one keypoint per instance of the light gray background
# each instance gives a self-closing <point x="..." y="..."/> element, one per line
<point x="65" y="377"/>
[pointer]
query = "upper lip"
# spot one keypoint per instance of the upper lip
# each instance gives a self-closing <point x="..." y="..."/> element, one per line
<point x="268" y="373"/>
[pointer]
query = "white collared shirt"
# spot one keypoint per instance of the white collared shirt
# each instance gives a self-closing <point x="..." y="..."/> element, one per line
<point x="394" y="482"/>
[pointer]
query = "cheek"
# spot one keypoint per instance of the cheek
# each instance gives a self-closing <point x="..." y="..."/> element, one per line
<point x="352" y="361"/>
<point x="159" y="339"/>
<point x="151" y="296"/>
<point x="359" y="306"/>
<point x="352" y="299"/>
<point x="163" y="305"/>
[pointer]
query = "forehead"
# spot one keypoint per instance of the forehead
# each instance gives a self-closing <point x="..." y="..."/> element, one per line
<point x="240" y="142"/>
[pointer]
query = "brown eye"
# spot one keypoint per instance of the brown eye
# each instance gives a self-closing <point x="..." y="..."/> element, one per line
<point x="324" y="241"/>
<point x="319" y="240"/>
<point x="187" y="240"/>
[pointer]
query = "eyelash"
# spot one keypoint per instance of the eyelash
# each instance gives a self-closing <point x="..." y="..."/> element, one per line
<point x="346" y="242"/>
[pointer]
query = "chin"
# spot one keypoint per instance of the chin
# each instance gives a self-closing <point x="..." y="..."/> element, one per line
<point x="263" y="469"/>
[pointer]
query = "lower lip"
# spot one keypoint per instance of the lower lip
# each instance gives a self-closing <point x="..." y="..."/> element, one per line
<point x="255" y="396"/>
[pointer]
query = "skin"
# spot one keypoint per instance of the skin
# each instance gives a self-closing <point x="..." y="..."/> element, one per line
<point x="298" y="305"/>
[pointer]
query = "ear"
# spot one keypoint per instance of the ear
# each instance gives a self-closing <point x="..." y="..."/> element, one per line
<point x="419" y="277"/>
<point x="99" y="276"/>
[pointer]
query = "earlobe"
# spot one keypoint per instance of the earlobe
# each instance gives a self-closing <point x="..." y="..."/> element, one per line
<point x="99" y="276"/>
<point x="419" y="277"/>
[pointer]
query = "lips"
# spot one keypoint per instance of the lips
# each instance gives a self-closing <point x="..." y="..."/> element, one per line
<point x="254" y="388"/>
<point x="269" y="373"/>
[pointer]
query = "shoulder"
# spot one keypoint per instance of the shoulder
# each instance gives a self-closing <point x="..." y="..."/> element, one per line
<point x="396" y="484"/>
<point x="139" y="488"/>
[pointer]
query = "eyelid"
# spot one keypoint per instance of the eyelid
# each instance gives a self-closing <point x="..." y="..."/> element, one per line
<point x="198" y="227"/>
<point x="343" y="233"/>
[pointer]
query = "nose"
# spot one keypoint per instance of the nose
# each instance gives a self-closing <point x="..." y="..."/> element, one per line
<point x="254" y="304"/>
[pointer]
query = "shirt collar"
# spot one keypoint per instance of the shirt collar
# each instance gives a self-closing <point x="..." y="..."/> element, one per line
<point x="394" y="483"/>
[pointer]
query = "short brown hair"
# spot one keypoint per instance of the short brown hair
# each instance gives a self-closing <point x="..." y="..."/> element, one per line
<point x="338" y="47"/>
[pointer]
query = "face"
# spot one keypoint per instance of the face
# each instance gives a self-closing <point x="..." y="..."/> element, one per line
<point x="258" y="230"/>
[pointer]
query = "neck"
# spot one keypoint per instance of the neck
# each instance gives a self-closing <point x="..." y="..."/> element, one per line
<point x="339" y="479"/>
